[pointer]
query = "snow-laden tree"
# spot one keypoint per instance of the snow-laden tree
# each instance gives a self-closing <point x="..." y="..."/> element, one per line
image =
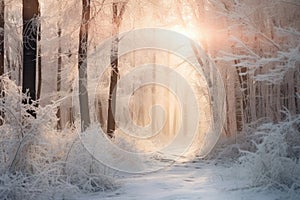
<point x="256" y="47"/>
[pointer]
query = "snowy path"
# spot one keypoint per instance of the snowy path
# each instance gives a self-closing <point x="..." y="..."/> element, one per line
<point x="188" y="181"/>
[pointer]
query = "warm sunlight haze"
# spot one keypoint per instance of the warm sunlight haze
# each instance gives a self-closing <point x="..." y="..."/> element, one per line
<point x="151" y="99"/>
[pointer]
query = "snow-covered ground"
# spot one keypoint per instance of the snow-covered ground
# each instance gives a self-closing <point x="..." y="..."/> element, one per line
<point x="193" y="180"/>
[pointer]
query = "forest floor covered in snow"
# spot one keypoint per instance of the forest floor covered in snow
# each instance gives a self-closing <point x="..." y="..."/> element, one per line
<point x="261" y="164"/>
<point x="193" y="180"/>
<point x="37" y="161"/>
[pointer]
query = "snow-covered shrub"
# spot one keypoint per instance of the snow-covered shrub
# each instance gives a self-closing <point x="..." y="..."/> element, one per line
<point x="275" y="160"/>
<point x="36" y="160"/>
<point x="226" y="151"/>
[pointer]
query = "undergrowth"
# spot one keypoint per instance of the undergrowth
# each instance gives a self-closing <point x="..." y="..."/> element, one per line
<point x="274" y="162"/>
<point x="266" y="155"/>
<point x="37" y="161"/>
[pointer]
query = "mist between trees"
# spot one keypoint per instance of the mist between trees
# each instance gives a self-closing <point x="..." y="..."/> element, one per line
<point x="44" y="48"/>
<point x="254" y="44"/>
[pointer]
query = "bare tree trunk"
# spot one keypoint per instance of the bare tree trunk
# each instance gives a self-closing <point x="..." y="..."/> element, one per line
<point x="82" y="65"/>
<point x="99" y="110"/>
<point x="58" y="81"/>
<point x="39" y="85"/>
<point x="30" y="29"/>
<point x="116" y="20"/>
<point x="297" y="91"/>
<point x="1" y="37"/>
<point x="114" y="75"/>
<point x="242" y="112"/>
<point x="1" y="54"/>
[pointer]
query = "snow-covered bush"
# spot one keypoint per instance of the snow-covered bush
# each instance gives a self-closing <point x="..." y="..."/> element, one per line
<point x="36" y="160"/>
<point x="275" y="160"/>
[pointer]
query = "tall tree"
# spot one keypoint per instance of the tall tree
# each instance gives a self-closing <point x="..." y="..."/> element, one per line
<point x="39" y="65"/>
<point x="1" y="51"/>
<point x="82" y="65"/>
<point x="116" y="21"/>
<point x="30" y="30"/>
<point x="1" y="37"/>
<point x="58" y="79"/>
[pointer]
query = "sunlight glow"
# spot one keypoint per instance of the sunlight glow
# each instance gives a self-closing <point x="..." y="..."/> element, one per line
<point x="188" y="31"/>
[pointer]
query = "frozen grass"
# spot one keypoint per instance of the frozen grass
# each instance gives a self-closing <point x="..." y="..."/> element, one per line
<point x="271" y="160"/>
<point x="266" y="156"/>
<point x="39" y="162"/>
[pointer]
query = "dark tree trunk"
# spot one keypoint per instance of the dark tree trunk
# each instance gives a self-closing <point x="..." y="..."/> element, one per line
<point x="82" y="65"/>
<point x="1" y="54"/>
<point x="39" y="85"/>
<point x="116" y="20"/>
<point x="111" y="124"/>
<point x="30" y="29"/>
<point x="58" y="81"/>
<point x="1" y="37"/>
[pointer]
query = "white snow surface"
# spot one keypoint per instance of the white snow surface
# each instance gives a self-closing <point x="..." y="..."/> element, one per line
<point x="192" y="180"/>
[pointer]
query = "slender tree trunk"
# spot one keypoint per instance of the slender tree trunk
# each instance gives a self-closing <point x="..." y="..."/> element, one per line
<point x="30" y="29"/>
<point x="1" y="37"/>
<point x="58" y="81"/>
<point x="242" y="111"/>
<point x="82" y="65"/>
<point x="1" y="54"/>
<point x="39" y="85"/>
<point x="111" y="124"/>
<point x="116" y="20"/>
<point x="153" y="90"/>
<point x="99" y="110"/>
<point x="297" y="91"/>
